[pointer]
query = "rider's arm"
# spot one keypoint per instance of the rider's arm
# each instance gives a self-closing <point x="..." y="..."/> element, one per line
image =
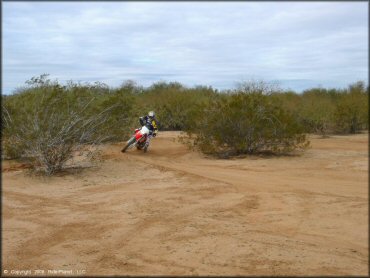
<point x="141" y="120"/>
<point x="155" y="125"/>
<point x="155" y="128"/>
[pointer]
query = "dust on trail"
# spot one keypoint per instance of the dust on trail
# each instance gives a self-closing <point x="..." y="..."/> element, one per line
<point x="175" y="212"/>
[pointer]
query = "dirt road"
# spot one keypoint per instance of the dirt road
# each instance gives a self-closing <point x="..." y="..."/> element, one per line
<point x="174" y="212"/>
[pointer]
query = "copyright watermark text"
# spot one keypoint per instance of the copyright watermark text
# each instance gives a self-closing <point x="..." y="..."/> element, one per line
<point x="39" y="272"/>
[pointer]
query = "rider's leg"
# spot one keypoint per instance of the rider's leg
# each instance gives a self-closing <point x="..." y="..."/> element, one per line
<point x="147" y="142"/>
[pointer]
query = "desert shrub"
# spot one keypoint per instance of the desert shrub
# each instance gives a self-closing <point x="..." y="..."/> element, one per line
<point x="289" y="100"/>
<point x="45" y="119"/>
<point x="119" y="102"/>
<point x="316" y="111"/>
<point x="246" y="123"/>
<point x="10" y="149"/>
<point x="172" y="103"/>
<point x="121" y="105"/>
<point x="257" y="86"/>
<point x="49" y="128"/>
<point x="351" y="112"/>
<point x="328" y="111"/>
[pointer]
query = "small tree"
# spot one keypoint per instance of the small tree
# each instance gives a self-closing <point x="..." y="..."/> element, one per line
<point x="316" y="111"/>
<point x="351" y="113"/>
<point x="50" y="129"/>
<point x="246" y="123"/>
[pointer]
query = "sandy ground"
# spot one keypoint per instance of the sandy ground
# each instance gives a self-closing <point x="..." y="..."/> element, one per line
<point x="175" y="212"/>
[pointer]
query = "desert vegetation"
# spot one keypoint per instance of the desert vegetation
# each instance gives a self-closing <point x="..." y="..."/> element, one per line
<point x="47" y="122"/>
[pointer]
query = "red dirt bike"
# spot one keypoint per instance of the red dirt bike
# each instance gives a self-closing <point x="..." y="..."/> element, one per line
<point x="139" y="139"/>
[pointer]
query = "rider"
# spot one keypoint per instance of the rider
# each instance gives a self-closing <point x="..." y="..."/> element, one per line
<point x="151" y="123"/>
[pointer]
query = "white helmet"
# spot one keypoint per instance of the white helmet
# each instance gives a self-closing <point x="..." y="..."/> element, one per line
<point x="151" y="114"/>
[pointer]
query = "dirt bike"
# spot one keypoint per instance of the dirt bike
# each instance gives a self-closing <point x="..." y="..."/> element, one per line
<point x="138" y="139"/>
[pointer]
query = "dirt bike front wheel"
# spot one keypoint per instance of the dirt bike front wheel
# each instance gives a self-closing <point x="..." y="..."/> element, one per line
<point x="129" y="143"/>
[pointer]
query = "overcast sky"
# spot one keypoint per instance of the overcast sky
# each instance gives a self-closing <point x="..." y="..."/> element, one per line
<point x="297" y="44"/>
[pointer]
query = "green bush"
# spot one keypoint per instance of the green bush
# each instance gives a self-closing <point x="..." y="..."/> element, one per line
<point x="172" y="102"/>
<point x="317" y="111"/>
<point x="352" y="111"/>
<point x="48" y="123"/>
<point x="46" y="119"/>
<point x="328" y="111"/>
<point x="246" y="123"/>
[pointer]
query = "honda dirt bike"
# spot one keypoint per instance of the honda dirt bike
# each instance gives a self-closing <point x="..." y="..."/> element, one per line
<point x="138" y="140"/>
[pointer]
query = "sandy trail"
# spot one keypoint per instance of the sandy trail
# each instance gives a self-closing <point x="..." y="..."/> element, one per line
<point x="175" y="212"/>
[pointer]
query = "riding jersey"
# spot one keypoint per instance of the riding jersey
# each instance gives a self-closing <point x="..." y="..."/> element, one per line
<point x="150" y="123"/>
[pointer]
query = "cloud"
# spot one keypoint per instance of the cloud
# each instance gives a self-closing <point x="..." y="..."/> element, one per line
<point x="299" y="44"/>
